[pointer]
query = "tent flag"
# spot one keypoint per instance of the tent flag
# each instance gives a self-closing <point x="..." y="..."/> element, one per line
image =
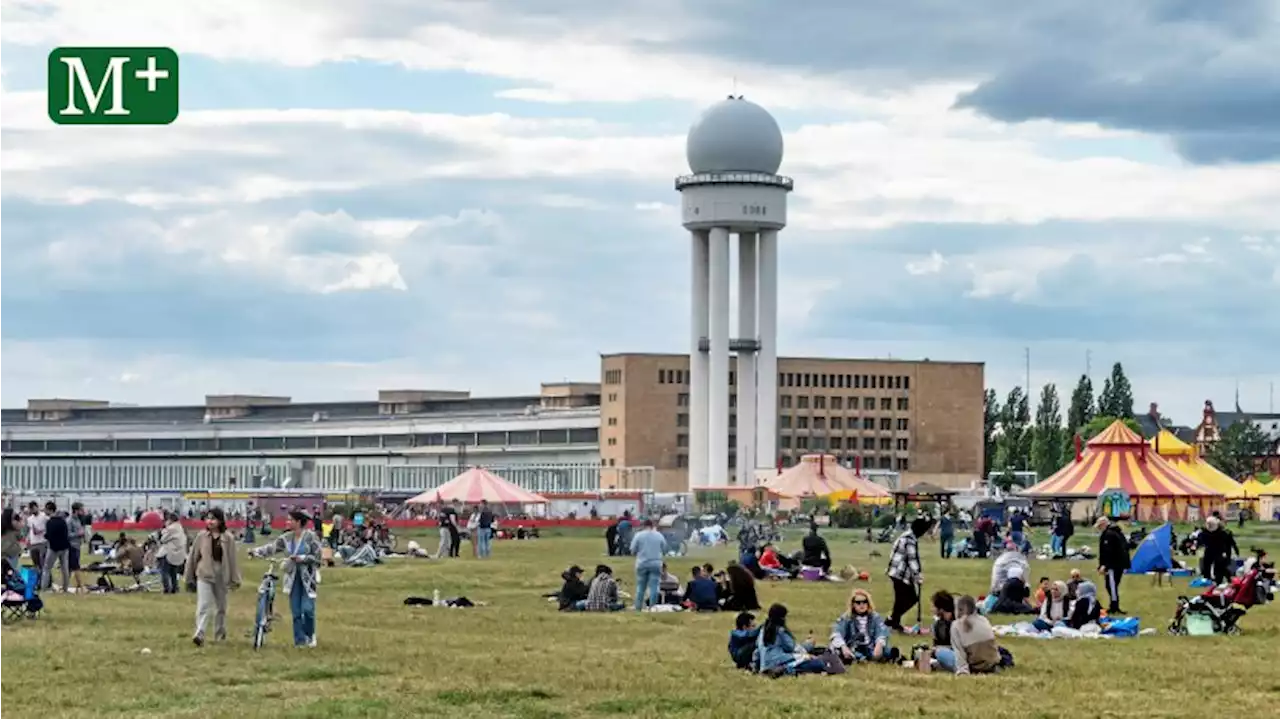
<point x="1155" y="554"/>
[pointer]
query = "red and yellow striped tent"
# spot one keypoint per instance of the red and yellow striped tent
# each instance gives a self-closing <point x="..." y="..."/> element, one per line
<point x="1119" y="458"/>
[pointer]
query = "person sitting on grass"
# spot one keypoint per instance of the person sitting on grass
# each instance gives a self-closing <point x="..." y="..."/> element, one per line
<point x="742" y="641"/>
<point x="1087" y="609"/>
<point x="860" y="634"/>
<point x="1073" y="584"/>
<point x="1041" y="593"/>
<point x="573" y="593"/>
<point x="944" y="612"/>
<point x="779" y="654"/>
<point x="700" y="594"/>
<point x="669" y="586"/>
<point x="1013" y="595"/>
<point x="771" y="563"/>
<point x="602" y="596"/>
<point x="973" y="647"/>
<point x="742" y="591"/>
<point x="1055" y="609"/>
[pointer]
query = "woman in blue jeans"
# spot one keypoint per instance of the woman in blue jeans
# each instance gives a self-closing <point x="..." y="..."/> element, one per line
<point x="301" y="572"/>
<point x="778" y="651"/>
<point x="649" y="547"/>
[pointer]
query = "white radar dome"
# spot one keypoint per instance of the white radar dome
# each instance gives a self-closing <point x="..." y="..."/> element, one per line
<point x="735" y="135"/>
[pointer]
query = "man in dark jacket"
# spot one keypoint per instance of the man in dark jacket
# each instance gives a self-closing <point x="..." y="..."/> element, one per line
<point x="816" y="553"/>
<point x="1062" y="531"/>
<point x="58" y="534"/>
<point x="1113" y="559"/>
<point x="574" y="589"/>
<point x="1218" y="542"/>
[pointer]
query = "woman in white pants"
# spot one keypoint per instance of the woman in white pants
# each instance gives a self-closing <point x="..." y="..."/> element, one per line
<point x="212" y="572"/>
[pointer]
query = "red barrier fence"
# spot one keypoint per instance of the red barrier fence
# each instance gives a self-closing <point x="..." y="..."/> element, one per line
<point x="281" y="523"/>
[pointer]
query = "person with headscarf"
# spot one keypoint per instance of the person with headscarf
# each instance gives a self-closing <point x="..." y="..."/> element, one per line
<point x="742" y="590"/>
<point x="1087" y="608"/>
<point x="1219" y="547"/>
<point x="1113" y="559"/>
<point x="905" y="571"/>
<point x="1055" y="608"/>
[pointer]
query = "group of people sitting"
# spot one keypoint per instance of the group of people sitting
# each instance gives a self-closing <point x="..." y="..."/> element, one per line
<point x="707" y="590"/>
<point x="812" y="561"/>
<point x="963" y="641"/>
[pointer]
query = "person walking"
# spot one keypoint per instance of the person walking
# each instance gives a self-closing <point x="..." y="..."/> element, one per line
<point x="455" y="530"/>
<point x="446" y="516"/>
<point x="905" y="571"/>
<point x="37" y="545"/>
<point x="1113" y="559"/>
<point x="172" y="553"/>
<point x="78" y="524"/>
<point x="58" y="537"/>
<point x="484" y="545"/>
<point x="649" y="546"/>
<point x="946" y="534"/>
<point x="211" y="572"/>
<point x="300" y="571"/>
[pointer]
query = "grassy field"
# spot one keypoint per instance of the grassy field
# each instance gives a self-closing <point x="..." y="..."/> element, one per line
<point x="518" y="657"/>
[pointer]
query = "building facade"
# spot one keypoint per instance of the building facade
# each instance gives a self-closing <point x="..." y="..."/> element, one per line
<point x="921" y="419"/>
<point x="407" y="440"/>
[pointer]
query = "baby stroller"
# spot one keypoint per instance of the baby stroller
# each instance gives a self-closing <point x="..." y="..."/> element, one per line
<point x="1220" y="609"/>
<point x="21" y="599"/>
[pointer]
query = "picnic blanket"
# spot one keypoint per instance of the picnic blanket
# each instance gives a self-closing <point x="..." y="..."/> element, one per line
<point x="1115" y="629"/>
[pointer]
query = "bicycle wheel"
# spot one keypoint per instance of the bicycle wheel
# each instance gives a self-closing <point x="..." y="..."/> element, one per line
<point x="263" y="618"/>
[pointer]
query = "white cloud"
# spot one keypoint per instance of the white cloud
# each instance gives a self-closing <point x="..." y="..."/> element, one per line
<point x="930" y="265"/>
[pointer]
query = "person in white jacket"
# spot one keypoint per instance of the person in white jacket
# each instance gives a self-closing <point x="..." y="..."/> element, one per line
<point x="172" y="553"/>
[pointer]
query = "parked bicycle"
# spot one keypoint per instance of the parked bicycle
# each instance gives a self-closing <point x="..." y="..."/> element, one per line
<point x="266" y="605"/>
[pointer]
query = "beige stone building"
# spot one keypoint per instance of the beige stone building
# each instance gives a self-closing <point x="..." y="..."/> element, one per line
<point x="922" y="419"/>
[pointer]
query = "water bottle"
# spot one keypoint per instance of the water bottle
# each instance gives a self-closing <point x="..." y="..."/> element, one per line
<point x="435" y="599"/>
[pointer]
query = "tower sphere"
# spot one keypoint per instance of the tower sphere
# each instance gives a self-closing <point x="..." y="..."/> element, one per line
<point x="734" y="135"/>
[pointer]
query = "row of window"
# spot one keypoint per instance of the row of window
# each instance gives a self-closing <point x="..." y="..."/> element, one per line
<point x="865" y="424"/>
<point x="793" y="379"/>
<point x="821" y="444"/>
<point x="899" y="463"/>
<point x="885" y="404"/>
<point x="519" y="438"/>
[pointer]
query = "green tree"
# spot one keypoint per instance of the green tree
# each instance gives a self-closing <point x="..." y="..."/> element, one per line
<point x="990" y="420"/>
<point x="1101" y="422"/>
<point x="1047" y="436"/>
<point x="1237" y="450"/>
<point x="1116" y="399"/>
<point x="1081" y="409"/>
<point x="1013" y="448"/>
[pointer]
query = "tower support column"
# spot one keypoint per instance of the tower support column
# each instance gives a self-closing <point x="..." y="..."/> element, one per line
<point x="747" y="336"/>
<point x="699" y="328"/>
<point x="718" y="445"/>
<point x="767" y="362"/>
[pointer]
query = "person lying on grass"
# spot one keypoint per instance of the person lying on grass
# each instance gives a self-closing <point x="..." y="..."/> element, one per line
<point x="860" y="634"/>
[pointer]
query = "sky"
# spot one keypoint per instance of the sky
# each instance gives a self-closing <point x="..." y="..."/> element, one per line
<point x="477" y="194"/>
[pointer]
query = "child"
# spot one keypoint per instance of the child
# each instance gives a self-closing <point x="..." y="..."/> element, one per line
<point x="1073" y="584"/>
<point x="742" y="641"/>
<point x="1042" y="591"/>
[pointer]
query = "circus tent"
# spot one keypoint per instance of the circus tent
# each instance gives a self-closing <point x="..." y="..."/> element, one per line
<point x="1119" y="459"/>
<point x="1187" y="460"/>
<point x="478" y="484"/>
<point x="821" y="475"/>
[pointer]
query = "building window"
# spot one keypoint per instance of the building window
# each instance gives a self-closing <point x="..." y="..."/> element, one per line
<point x="818" y="444"/>
<point x="903" y="404"/>
<point x="820" y="423"/>
<point x="733" y="400"/>
<point x="886" y="403"/>
<point x="837" y="403"/>
<point x="836" y="442"/>
<point x="662" y="376"/>
<point x="227" y="444"/>
<point x="682" y="440"/>
<point x="733" y="378"/>
<point x="613" y="396"/>
<point x="886" y="423"/>
<point x="785" y="421"/>
<point x="902" y="444"/>
<point x="868" y="442"/>
<point x="868" y="403"/>
<point x="613" y="421"/>
<point x="868" y="423"/>
<point x="886" y="444"/>
<point x="820" y="402"/>
<point x="682" y="399"/>
<point x="733" y="421"/>
<point x="590" y="435"/>
<point x="902" y="424"/>
<point x="553" y="436"/>
<point x="802" y="402"/>
<point x="808" y="380"/>
<point x="853" y="403"/>
<point x="785" y="401"/>
<point x="613" y="376"/>
<point x="334" y="441"/>
<point x="886" y="462"/>
<point x="785" y="442"/>
<point x="299" y="442"/>
<point x="682" y="420"/>
<point x="613" y="441"/>
<point x="522" y="438"/>
<point x="802" y="423"/>
<point x="611" y="461"/>
<point x="857" y="381"/>
<point x="682" y="461"/>
<point x="491" y="439"/>
<point x="802" y="442"/>
<point x="903" y="464"/>
<point x="837" y="423"/>
<point x="906" y="384"/>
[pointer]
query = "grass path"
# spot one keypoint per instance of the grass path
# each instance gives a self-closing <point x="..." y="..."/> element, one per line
<point x="521" y="658"/>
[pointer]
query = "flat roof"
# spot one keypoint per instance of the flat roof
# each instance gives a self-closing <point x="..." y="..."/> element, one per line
<point x="869" y="360"/>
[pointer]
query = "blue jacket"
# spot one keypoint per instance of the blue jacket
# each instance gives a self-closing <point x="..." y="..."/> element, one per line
<point x="742" y="647"/>
<point x="844" y="633"/>
<point x="702" y="592"/>
<point x="782" y="653"/>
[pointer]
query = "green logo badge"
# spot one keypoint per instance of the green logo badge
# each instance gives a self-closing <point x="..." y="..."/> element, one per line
<point x="113" y="85"/>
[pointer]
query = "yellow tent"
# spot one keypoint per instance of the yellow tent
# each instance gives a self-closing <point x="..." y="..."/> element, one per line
<point x="1252" y="488"/>
<point x="1188" y="460"/>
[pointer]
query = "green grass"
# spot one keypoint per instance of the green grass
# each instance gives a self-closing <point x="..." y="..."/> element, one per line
<point x="518" y="657"/>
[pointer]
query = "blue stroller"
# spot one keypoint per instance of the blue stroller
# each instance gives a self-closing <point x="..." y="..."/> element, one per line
<point x="21" y="595"/>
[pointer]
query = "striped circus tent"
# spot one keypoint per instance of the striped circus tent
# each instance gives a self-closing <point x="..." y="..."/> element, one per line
<point x="1187" y="460"/>
<point x="478" y="484"/>
<point x="1119" y="459"/>
<point x="820" y="475"/>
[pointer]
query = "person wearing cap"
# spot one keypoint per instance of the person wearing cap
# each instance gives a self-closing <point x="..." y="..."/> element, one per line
<point x="573" y="593"/>
<point x="1113" y="559"/>
<point x="301" y="570"/>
